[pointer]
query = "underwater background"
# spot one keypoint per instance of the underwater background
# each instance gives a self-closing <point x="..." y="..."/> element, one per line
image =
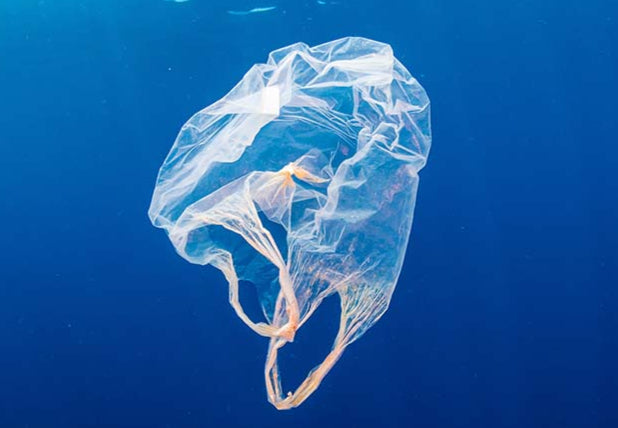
<point x="506" y="311"/>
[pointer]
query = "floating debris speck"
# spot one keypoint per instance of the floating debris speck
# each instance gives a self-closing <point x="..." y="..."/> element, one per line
<point x="249" y="12"/>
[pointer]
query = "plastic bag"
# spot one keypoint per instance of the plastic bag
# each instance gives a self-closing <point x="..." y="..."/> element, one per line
<point x="302" y="180"/>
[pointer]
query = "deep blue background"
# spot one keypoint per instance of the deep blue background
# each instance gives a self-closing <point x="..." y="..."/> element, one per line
<point x="506" y="311"/>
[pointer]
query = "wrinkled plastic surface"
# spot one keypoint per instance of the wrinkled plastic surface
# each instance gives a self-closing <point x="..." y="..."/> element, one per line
<point x="302" y="180"/>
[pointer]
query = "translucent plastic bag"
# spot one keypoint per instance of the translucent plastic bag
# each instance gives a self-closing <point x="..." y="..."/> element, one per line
<point x="302" y="180"/>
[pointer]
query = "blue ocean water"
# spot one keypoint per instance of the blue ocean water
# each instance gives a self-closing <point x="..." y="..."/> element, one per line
<point x="505" y="314"/>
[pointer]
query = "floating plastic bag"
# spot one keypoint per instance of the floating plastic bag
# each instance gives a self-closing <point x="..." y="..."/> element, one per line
<point x="302" y="180"/>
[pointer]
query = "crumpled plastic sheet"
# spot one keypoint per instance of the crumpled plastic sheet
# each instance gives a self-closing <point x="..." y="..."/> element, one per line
<point x="302" y="180"/>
